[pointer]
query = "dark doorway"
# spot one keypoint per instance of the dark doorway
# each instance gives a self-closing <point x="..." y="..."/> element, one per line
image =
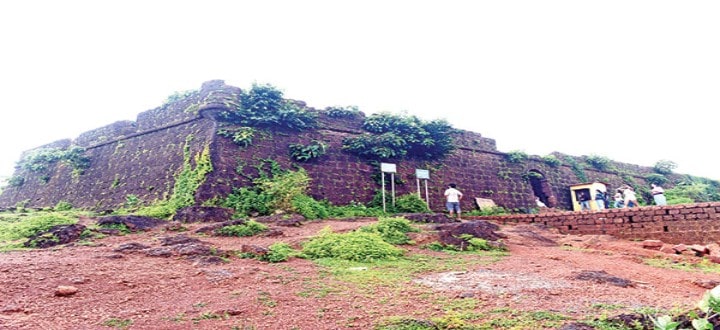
<point x="541" y="188"/>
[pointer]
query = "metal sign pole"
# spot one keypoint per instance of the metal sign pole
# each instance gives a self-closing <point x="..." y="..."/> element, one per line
<point x="389" y="168"/>
<point x="418" y="186"/>
<point x="427" y="198"/>
<point x="425" y="176"/>
<point x="392" y="185"/>
<point x="383" y="191"/>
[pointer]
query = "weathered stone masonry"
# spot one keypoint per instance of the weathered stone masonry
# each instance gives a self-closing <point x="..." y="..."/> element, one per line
<point x="141" y="158"/>
<point x="696" y="223"/>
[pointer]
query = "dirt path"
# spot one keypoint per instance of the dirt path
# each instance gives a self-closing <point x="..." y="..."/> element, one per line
<point x="543" y="271"/>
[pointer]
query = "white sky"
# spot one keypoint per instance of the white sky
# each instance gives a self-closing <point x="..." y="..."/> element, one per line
<point x="633" y="81"/>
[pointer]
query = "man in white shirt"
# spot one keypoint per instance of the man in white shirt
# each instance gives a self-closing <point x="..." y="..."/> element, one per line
<point x="658" y="195"/>
<point x="453" y="197"/>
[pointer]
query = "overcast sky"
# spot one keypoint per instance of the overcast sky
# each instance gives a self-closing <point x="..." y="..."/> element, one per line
<point x="633" y="81"/>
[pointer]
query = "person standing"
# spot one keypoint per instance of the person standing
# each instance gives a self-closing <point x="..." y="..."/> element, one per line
<point x="630" y="198"/>
<point x="599" y="199"/>
<point x="453" y="197"/>
<point x="583" y="198"/>
<point x="619" y="199"/>
<point x="658" y="194"/>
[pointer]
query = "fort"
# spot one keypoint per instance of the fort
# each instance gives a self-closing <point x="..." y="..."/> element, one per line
<point x="143" y="158"/>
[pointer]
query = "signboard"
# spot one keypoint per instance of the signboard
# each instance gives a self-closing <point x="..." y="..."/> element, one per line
<point x="388" y="168"/>
<point x="484" y="203"/>
<point x="422" y="174"/>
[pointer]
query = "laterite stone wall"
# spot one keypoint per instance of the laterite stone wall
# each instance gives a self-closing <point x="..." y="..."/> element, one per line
<point x="143" y="157"/>
<point x="694" y="223"/>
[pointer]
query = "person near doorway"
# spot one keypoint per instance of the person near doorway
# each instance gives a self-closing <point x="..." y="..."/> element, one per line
<point x="453" y="197"/>
<point x="583" y="198"/>
<point x="539" y="203"/>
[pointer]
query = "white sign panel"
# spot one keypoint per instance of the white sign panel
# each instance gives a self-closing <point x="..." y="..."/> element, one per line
<point x="422" y="174"/>
<point x="388" y="168"/>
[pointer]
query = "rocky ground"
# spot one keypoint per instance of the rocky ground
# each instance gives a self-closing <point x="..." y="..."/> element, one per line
<point x="166" y="279"/>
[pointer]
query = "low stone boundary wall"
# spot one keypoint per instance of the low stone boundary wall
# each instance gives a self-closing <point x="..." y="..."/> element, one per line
<point x="696" y="223"/>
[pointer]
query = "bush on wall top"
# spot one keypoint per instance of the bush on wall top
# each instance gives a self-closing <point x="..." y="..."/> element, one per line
<point x="397" y="136"/>
<point x="264" y="106"/>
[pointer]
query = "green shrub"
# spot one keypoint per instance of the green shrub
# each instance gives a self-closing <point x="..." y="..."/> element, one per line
<point x="282" y="188"/>
<point x="246" y="201"/>
<point x="691" y="192"/>
<point x="469" y="243"/>
<point x="277" y="252"/>
<point x="577" y="168"/>
<point x="263" y="106"/>
<point x="354" y="210"/>
<point x="656" y="178"/>
<point x="397" y="136"/>
<point x="160" y="210"/>
<point x="242" y="136"/>
<point x="249" y="228"/>
<point x="303" y="153"/>
<point x="39" y="159"/>
<point x="527" y="176"/>
<point x="392" y="230"/>
<point x="598" y="162"/>
<point x="664" y="167"/>
<point x="131" y="201"/>
<point x="340" y="112"/>
<point x="120" y="227"/>
<point x="353" y="246"/>
<point x="552" y="161"/>
<point x="488" y="211"/>
<point x="309" y="207"/>
<point x="410" y="203"/>
<point x="63" y="206"/>
<point x="31" y="224"/>
<point x="179" y="96"/>
<point x="516" y="156"/>
<point x="15" y="181"/>
<point x="269" y="193"/>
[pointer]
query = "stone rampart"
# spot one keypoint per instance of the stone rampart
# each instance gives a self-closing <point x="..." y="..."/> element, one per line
<point x="690" y="223"/>
<point x="142" y="158"/>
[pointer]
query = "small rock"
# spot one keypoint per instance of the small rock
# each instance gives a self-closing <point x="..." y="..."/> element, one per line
<point x="232" y="312"/>
<point x="700" y="250"/>
<point x="715" y="259"/>
<point x="707" y="284"/>
<point x="158" y="252"/>
<point x="115" y="256"/>
<point x="254" y="249"/>
<point x="132" y="246"/>
<point x="12" y="308"/>
<point x="652" y="244"/>
<point x="679" y="248"/>
<point x="576" y="326"/>
<point x="64" y="291"/>
<point x="466" y="295"/>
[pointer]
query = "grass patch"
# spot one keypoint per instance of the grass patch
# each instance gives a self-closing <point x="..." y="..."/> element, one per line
<point x="396" y="273"/>
<point x="16" y="228"/>
<point x="352" y="246"/>
<point x="249" y="228"/>
<point x="467" y="319"/>
<point x="118" y="323"/>
<point x="705" y="266"/>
